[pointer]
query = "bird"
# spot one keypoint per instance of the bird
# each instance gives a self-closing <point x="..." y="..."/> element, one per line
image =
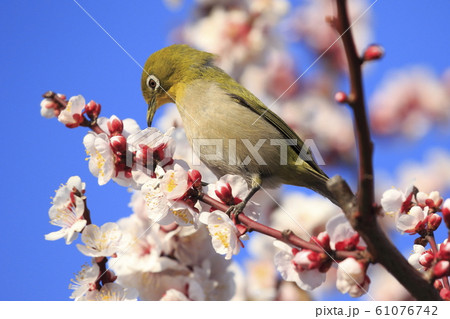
<point x="229" y="128"/>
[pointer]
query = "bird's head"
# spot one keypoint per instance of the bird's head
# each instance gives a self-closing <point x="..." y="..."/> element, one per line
<point x="168" y="70"/>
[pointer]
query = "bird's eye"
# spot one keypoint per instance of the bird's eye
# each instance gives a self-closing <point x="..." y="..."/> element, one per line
<point x="152" y="82"/>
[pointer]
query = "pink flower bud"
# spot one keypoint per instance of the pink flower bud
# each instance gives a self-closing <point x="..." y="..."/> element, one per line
<point x="434" y="220"/>
<point x="446" y="212"/>
<point x="93" y="109"/>
<point x="118" y="143"/>
<point x="340" y="97"/>
<point x="324" y="239"/>
<point x="306" y="260"/>
<point x="444" y="251"/>
<point x="348" y="244"/>
<point x="224" y="192"/>
<point x="49" y="104"/>
<point x="438" y="285"/>
<point x="445" y="294"/>
<point x="78" y="119"/>
<point x="426" y="259"/>
<point x="195" y="178"/>
<point x="373" y="52"/>
<point x="441" y="269"/>
<point x="115" y="125"/>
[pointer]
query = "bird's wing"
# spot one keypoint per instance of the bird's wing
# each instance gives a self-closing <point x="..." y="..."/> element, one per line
<point x="253" y="103"/>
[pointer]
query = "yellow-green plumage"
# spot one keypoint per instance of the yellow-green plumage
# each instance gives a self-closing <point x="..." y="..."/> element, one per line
<point x="213" y="105"/>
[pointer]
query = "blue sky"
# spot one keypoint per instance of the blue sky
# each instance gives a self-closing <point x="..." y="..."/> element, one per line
<point x="54" y="45"/>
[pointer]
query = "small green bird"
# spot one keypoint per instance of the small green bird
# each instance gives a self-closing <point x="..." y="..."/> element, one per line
<point x="230" y="129"/>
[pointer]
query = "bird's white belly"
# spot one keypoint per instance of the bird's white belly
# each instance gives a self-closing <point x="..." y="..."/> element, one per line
<point x="227" y="136"/>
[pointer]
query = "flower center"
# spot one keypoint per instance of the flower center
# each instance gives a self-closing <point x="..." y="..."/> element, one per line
<point x="172" y="183"/>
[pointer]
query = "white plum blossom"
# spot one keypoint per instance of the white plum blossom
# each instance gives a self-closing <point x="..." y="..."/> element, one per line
<point x="150" y="145"/>
<point x="100" y="241"/>
<point x="285" y="262"/>
<point x="410" y="101"/>
<point x="145" y="248"/>
<point x="183" y="214"/>
<point x="342" y="235"/>
<point x="260" y="279"/>
<point x="156" y="204"/>
<point x="101" y="158"/>
<point x="111" y="292"/>
<point x="71" y="115"/>
<point x="309" y="25"/>
<point x="231" y="190"/>
<point x="62" y="196"/>
<point x="229" y="34"/>
<point x="434" y="198"/>
<point x="162" y="199"/>
<point x="204" y="284"/>
<point x="392" y="201"/>
<point x="106" y="161"/>
<point x="430" y="174"/>
<point x="69" y="218"/>
<point x="225" y="235"/>
<point x="130" y="126"/>
<point x="174" y="184"/>
<point x="181" y="259"/>
<point x="351" y="278"/>
<point x="421" y="259"/>
<point x="298" y="206"/>
<point x="408" y="222"/>
<point x="84" y="281"/>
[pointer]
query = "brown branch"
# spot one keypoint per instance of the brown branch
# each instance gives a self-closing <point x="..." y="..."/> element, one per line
<point x="362" y="213"/>
<point x="285" y="236"/>
<point x="356" y="101"/>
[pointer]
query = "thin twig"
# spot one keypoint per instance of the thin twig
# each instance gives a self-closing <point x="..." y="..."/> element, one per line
<point x="287" y="237"/>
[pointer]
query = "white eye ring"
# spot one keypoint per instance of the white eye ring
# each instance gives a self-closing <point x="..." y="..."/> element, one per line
<point x="152" y="82"/>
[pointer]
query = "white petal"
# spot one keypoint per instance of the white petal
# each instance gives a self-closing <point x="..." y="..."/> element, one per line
<point x="310" y="279"/>
<point x="283" y="263"/>
<point x="75" y="182"/>
<point x="87" y="251"/>
<point x="56" y="234"/>
<point x="392" y="200"/>
<point x="406" y="222"/>
<point x="130" y="126"/>
<point x="71" y="236"/>
<point x="283" y="246"/>
<point x="339" y="228"/>
<point x="79" y="225"/>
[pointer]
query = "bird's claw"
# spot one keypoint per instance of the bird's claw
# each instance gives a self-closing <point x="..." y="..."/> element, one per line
<point x="235" y="210"/>
<point x="286" y="233"/>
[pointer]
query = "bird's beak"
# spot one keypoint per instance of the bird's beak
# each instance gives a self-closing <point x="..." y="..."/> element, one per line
<point x="151" y="111"/>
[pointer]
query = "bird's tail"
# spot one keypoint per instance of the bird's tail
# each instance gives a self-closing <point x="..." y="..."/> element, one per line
<point x="320" y="186"/>
<point x="316" y="180"/>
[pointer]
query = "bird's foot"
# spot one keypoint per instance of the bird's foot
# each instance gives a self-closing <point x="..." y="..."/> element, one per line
<point x="286" y="233"/>
<point x="235" y="210"/>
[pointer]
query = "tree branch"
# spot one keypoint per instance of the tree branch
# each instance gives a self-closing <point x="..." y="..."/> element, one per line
<point x="285" y="236"/>
<point x="362" y="213"/>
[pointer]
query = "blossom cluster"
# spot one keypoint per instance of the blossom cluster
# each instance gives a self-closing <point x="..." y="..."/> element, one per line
<point x="69" y="212"/>
<point x="416" y="213"/>
<point x="165" y="240"/>
<point x="410" y="102"/>
<point x="308" y="268"/>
